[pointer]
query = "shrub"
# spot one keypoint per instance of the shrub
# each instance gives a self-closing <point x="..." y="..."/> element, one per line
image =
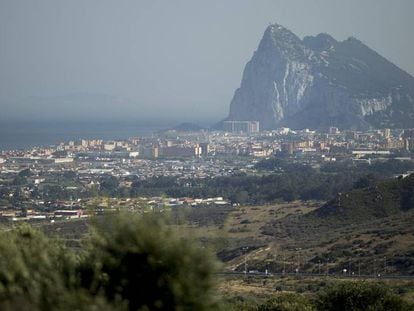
<point x="130" y="262"/>
<point x="37" y="273"/>
<point x="136" y="260"/>
<point x="360" y="296"/>
<point x="287" y="302"/>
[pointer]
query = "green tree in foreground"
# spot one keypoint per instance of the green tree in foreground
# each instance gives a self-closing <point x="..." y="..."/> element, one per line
<point x="134" y="262"/>
<point x="130" y="263"/>
<point x="37" y="273"/>
<point x="140" y="263"/>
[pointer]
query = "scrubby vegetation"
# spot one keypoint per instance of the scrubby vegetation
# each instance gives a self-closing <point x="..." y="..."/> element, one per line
<point x="128" y="263"/>
<point x="346" y="296"/>
<point x="360" y="296"/>
<point x="273" y="180"/>
<point x="278" y="180"/>
<point x="131" y="262"/>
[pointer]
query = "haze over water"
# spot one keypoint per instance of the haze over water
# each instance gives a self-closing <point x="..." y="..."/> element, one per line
<point x="16" y="136"/>
<point x="174" y="59"/>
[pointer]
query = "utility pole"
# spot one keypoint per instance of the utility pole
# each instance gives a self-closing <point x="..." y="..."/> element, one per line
<point x="298" y="263"/>
<point x="245" y="263"/>
<point x="385" y="265"/>
<point x="359" y="268"/>
<point x="327" y="269"/>
<point x="245" y="259"/>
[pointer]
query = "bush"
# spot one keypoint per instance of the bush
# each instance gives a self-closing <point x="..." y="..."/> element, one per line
<point x="360" y="296"/>
<point x="136" y="260"/>
<point x="130" y="262"/>
<point x="37" y="273"/>
<point x="287" y="302"/>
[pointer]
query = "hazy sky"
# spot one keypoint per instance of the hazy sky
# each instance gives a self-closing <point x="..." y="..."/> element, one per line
<point x="177" y="58"/>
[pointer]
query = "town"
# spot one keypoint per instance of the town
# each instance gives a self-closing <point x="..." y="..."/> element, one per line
<point x="75" y="179"/>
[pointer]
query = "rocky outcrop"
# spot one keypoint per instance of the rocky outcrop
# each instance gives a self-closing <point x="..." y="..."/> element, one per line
<point x="318" y="82"/>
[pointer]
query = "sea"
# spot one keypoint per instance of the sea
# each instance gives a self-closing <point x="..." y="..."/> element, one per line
<point x="25" y="135"/>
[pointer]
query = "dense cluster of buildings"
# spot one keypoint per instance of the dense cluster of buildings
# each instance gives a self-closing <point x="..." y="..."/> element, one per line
<point x="182" y="156"/>
<point x="243" y="138"/>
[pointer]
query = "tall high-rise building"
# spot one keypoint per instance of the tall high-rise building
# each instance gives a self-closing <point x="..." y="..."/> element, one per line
<point x="205" y="148"/>
<point x="241" y="126"/>
<point x="387" y="133"/>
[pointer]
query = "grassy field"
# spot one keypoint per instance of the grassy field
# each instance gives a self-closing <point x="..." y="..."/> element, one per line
<point x="381" y="246"/>
<point x="276" y="238"/>
<point x="260" y="289"/>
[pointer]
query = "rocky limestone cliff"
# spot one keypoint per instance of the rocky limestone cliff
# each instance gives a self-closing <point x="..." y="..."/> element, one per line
<point x="318" y="82"/>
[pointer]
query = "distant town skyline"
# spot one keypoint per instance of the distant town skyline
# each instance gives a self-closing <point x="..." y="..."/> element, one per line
<point x="153" y="59"/>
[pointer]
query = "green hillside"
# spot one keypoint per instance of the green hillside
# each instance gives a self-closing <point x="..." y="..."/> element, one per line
<point x="383" y="200"/>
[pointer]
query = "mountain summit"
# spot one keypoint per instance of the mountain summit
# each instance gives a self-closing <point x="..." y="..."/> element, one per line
<point x="319" y="82"/>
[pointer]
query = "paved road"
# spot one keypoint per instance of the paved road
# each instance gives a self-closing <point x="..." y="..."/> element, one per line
<point x="313" y="275"/>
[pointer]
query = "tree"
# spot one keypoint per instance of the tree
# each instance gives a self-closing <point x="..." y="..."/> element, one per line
<point x="240" y="197"/>
<point x="109" y="185"/>
<point x="37" y="273"/>
<point x="137" y="261"/>
<point x="25" y="173"/>
<point x="130" y="262"/>
<point x="365" y="181"/>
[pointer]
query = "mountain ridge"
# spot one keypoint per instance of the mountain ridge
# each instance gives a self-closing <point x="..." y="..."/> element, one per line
<point x="319" y="82"/>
